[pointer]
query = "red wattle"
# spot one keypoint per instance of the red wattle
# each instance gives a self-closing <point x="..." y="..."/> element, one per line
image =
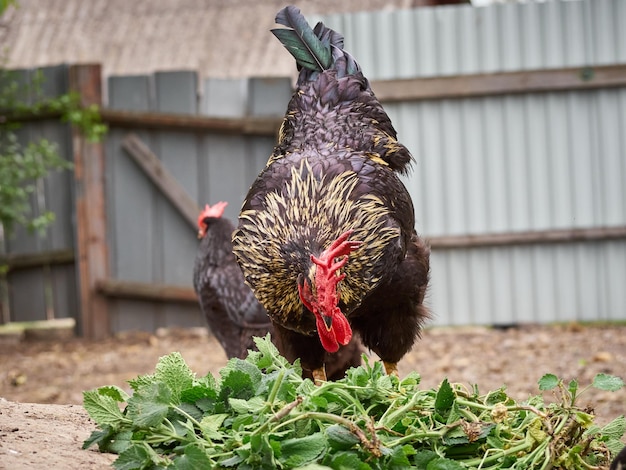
<point x="327" y="337"/>
<point x="339" y="333"/>
<point x="343" y="331"/>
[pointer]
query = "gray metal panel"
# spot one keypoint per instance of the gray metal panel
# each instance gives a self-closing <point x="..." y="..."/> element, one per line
<point x="225" y="180"/>
<point x="178" y="153"/>
<point x="499" y="37"/>
<point x="64" y="291"/>
<point x="27" y="295"/>
<point x="176" y="92"/>
<point x="130" y="195"/>
<point x="516" y="163"/>
<point x="175" y="241"/>
<point x="131" y="93"/>
<point x="268" y="96"/>
<point x="528" y="284"/>
<point x="225" y="98"/>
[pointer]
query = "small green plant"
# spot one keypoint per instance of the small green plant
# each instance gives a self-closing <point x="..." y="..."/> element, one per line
<point x="260" y="414"/>
<point x="23" y="164"/>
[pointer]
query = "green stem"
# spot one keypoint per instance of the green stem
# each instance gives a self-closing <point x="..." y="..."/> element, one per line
<point x="276" y="387"/>
<point x="495" y="456"/>
<point x="394" y="416"/>
<point x="416" y="435"/>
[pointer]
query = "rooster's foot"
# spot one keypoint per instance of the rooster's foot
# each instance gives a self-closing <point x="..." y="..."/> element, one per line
<point x="391" y="368"/>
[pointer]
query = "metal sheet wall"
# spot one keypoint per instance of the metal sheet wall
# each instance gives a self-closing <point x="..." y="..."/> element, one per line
<point x="500" y="37"/>
<point x="510" y="163"/>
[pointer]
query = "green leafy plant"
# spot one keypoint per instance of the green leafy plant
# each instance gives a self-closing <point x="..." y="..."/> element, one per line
<point x="23" y="164"/>
<point x="260" y="414"/>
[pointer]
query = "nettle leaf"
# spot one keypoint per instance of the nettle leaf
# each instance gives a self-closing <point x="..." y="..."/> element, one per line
<point x="210" y="425"/>
<point x="445" y="397"/>
<point x="197" y="392"/>
<point x="208" y="381"/>
<point x="262" y="452"/>
<point x="254" y="405"/>
<point x="174" y="371"/>
<point x="442" y="463"/>
<point x="150" y="405"/>
<point x="615" y="429"/>
<point x="411" y="380"/>
<point x="102" y="408"/>
<point x="240" y="379"/>
<point x="141" y="381"/>
<point x="101" y="437"/>
<point x="114" y="392"/>
<point x="422" y="457"/>
<point x="136" y="456"/>
<point x="356" y="376"/>
<point x="548" y="382"/>
<point x="609" y="383"/>
<point x="341" y="438"/>
<point x="120" y="442"/>
<point x="300" y="451"/>
<point x="398" y="459"/>
<point x="267" y="355"/>
<point x="191" y="410"/>
<point x="193" y="458"/>
<point x="345" y="460"/>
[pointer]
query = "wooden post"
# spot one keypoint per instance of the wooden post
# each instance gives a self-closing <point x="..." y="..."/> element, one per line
<point x="92" y="256"/>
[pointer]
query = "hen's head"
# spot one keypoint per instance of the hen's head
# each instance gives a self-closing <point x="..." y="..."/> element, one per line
<point x="319" y="293"/>
<point x="215" y="211"/>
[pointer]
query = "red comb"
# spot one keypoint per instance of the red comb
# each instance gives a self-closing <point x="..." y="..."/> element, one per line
<point x="215" y="211"/>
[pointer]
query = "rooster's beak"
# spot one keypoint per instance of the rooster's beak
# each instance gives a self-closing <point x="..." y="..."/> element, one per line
<point x="328" y="321"/>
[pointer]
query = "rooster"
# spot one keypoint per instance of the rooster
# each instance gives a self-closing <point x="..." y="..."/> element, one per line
<point x="229" y="306"/>
<point x="326" y="235"/>
<point x="232" y="312"/>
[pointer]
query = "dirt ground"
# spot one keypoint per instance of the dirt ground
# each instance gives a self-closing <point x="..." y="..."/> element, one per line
<point x="43" y="425"/>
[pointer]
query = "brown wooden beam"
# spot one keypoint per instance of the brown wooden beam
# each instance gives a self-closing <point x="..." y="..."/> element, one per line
<point x="144" y="291"/>
<point x="89" y="175"/>
<point x="190" y="122"/>
<point x="33" y="260"/>
<point x="463" y="86"/>
<point x="162" y="178"/>
<point x="528" y="238"/>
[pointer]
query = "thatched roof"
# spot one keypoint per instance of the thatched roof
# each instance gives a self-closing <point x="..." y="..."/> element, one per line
<point x="218" y="38"/>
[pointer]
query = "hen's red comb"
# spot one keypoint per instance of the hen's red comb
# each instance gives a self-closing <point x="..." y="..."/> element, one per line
<point x="216" y="211"/>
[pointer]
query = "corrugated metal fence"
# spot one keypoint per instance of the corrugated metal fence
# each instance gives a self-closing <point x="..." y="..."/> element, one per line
<point x="511" y="163"/>
<point x="519" y="182"/>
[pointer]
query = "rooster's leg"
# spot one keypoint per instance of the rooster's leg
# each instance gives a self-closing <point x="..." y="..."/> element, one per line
<point x="391" y="368"/>
<point x="319" y="375"/>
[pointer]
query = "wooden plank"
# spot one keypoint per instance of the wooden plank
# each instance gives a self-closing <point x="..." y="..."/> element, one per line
<point x="189" y="122"/>
<point x="462" y="86"/>
<point x="144" y="291"/>
<point x="30" y="260"/>
<point x="162" y="178"/>
<point x="527" y="238"/>
<point x="89" y="176"/>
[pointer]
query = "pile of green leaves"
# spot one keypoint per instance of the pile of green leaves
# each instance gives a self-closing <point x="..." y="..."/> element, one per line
<point x="260" y="414"/>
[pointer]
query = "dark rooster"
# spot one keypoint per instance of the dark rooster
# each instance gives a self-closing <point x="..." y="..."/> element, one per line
<point x="229" y="306"/>
<point x="233" y="313"/>
<point x="326" y="234"/>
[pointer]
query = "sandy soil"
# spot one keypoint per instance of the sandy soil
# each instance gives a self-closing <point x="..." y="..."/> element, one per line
<point x="42" y="424"/>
